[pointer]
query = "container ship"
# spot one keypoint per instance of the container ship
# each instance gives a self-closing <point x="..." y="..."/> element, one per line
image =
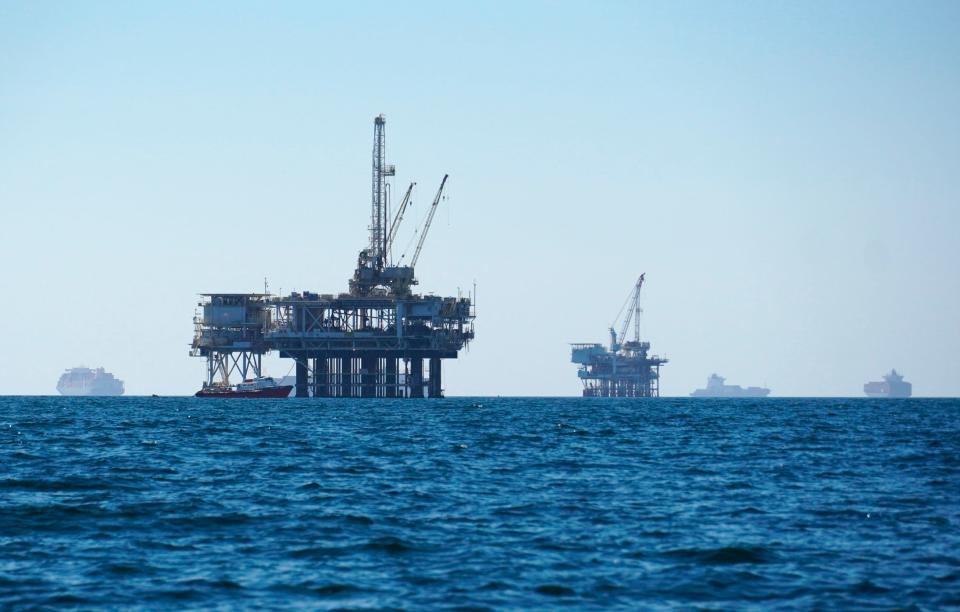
<point x="716" y="387"/>
<point x="87" y="381"/>
<point x="892" y="385"/>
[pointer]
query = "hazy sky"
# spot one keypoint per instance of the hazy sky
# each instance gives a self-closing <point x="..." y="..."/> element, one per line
<point x="787" y="174"/>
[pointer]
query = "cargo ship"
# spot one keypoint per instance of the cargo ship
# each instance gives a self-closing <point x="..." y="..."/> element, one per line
<point x="252" y="387"/>
<point x="91" y="382"/>
<point x="892" y="385"/>
<point x="716" y="388"/>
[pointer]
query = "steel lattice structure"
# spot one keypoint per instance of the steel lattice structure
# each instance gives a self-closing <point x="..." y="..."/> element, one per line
<point x="378" y="340"/>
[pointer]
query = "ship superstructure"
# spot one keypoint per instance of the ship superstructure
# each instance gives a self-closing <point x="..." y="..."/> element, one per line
<point x="379" y="339"/>
<point x="892" y="386"/>
<point x="717" y="387"/>
<point x="88" y="381"/>
<point x="625" y="369"/>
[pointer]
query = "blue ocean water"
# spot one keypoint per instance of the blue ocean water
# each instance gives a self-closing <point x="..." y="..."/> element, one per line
<point x="479" y="503"/>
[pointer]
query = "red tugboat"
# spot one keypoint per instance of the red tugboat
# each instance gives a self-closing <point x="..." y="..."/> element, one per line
<point x="252" y="387"/>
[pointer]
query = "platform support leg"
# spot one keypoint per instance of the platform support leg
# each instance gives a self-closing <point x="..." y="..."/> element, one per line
<point x="301" y="384"/>
<point x="346" y="377"/>
<point x="320" y="377"/>
<point x="436" y="386"/>
<point x="416" y="377"/>
<point x="390" y="383"/>
<point x="335" y="382"/>
<point x="368" y="376"/>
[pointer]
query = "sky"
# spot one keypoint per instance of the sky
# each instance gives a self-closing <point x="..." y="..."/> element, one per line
<point x="787" y="175"/>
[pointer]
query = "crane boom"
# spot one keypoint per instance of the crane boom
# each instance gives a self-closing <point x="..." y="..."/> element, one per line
<point x="399" y="217"/>
<point x="632" y="312"/>
<point x="426" y="225"/>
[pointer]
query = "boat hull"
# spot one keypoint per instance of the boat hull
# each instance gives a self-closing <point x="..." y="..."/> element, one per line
<point x="891" y="387"/>
<point x="734" y="393"/>
<point x="272" y="392"/>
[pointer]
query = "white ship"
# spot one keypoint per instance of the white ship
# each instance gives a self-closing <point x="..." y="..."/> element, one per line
<point x="716" y="387"/>
<point x="86" y="381"/>
<point x="893" y="385"/>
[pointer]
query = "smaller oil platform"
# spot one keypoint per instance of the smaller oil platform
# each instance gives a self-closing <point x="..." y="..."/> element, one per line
<point x="625" y="369"/>
<point x="377" y="340"/>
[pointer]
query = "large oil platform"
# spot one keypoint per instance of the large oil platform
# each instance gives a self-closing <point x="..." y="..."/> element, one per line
<point x="625" y="369"/>
<point x="377" y="340"/>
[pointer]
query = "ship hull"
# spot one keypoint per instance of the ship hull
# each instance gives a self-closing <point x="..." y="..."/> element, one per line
<point x="89" y="393"/>
<point x="888" y="389"/>
<point x="887" y="395"/>
<point x="705" y="393"/>
<point x="273" y="392"/>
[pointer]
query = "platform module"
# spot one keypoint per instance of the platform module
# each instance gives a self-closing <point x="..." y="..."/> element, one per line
<point x="379" y="339"/>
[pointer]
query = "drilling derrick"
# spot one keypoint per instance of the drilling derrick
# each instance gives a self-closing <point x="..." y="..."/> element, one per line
<point x="373" y="259"/>
<point x="378" y="340"/>
<point x="378" y="214"/>
<point x="374" y="271"/>
<point x="625" y="369"/>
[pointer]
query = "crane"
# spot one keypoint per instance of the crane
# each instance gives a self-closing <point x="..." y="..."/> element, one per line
<point x="632" y="312"/>
<point x="399" y="217"/>
<point x="426" y="225"/>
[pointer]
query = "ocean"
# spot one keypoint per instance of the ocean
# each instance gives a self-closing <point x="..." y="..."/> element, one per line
<point x="479" y="503"/>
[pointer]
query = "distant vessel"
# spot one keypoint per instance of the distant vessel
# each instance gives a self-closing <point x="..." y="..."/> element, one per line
<point x="893" y="385"/>
<point x="85" y="381"/>
<point x="252" y="387"/>
<point x="717" y="388"/>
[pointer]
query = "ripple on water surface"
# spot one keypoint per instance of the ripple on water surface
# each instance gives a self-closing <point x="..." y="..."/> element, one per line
<point x="479" y="504"/>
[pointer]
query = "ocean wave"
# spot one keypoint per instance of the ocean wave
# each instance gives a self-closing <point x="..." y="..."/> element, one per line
<point x="724" y="555"/>
<point x="422" y="505"/>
